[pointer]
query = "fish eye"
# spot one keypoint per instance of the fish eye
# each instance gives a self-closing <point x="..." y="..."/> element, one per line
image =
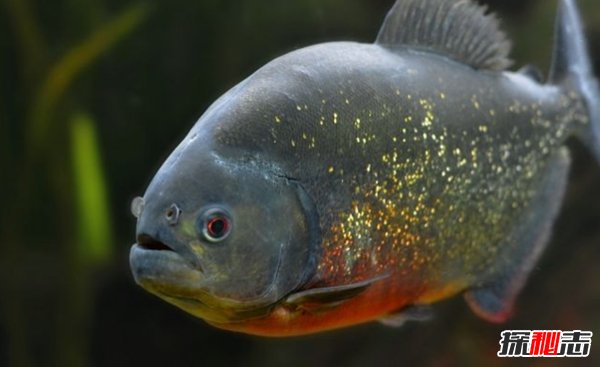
<point x="215" y="225"/>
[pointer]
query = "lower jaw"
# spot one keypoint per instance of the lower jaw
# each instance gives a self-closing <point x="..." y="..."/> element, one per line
<point x="214" y="313"/>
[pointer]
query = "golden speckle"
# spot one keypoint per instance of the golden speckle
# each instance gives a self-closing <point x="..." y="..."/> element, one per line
<point x="435" y="190"/>
<point x="442" y="150"/>
<point x="475" y="102"/>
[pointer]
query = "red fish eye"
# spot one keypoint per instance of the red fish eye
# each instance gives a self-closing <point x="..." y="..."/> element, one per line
<point x="216" y="226"/>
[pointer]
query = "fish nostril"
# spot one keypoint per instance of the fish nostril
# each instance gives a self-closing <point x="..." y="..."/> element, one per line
<point x="172" y="214"/>
<point x="150" y="243"/>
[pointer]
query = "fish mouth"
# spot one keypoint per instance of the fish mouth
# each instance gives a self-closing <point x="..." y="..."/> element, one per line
<point x="158" y="268"/>
<point x="149" y="243"/>
<point x="155" y="246"/>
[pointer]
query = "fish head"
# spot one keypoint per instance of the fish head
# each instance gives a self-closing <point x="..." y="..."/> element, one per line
<point x="220" y="234"/>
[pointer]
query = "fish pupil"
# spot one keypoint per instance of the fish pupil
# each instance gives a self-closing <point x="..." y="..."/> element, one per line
<point x="217" y="227"/>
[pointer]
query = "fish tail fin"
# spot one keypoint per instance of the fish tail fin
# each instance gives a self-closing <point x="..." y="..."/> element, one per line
<point x="572" y="68"/>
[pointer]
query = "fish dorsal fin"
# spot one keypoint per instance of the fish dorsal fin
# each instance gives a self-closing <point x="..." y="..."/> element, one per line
<point x="459" y="29"/>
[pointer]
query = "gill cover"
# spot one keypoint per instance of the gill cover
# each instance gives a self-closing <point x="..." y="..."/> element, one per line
<point x="270" y="249"/>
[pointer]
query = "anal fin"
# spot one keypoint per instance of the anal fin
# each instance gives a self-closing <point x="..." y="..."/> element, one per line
<point x="494" y="300"/>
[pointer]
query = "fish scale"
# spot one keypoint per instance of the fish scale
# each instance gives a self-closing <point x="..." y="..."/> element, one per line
<point x="396" y="165"/>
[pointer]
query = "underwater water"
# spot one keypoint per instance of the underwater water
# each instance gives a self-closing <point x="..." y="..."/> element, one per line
<point x="95" y="95"/>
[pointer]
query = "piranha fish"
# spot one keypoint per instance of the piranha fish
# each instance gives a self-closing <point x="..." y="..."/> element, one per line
<point x="345" y="182"/>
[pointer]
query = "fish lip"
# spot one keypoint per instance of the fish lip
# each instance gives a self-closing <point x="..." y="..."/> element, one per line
<point x="152" y="266"/>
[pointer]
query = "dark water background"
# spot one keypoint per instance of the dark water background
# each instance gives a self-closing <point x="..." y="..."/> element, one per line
<point x="95" y="94"/>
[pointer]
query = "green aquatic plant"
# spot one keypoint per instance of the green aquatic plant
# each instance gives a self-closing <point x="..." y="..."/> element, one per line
<point x="93" y="215"/>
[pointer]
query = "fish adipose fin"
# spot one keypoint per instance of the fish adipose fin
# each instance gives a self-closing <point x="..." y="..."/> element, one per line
<point x="316" y="299"/>
<point x="459" y="29"/>
<point x="494" y="300"/>
<point x="571" y="66"/>
<point x="532" y="73"/>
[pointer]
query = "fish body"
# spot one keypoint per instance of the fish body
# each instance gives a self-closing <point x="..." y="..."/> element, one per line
<point x="366" y="181"/>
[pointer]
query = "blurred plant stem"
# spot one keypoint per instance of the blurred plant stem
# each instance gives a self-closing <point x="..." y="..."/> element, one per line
<point x="62" y="150"/>
<point x="14" y="320"/>
<point x="90" y="247"/>
<point x="33" y="46"/>
<point x="71" y="65"/>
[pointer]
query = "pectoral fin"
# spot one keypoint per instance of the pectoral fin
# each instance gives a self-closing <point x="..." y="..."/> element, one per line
<point x="325" y="298"/>
<point x="494" y="299"/>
